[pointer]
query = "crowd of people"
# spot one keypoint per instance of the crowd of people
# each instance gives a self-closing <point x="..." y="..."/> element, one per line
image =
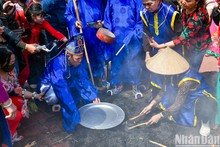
<point x="73" y="68"/>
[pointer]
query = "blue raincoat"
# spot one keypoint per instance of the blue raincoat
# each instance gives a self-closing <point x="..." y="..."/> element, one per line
<point x="122" y="17"/>
<point x="69" y="84"/>
<point x="89" y="11"/>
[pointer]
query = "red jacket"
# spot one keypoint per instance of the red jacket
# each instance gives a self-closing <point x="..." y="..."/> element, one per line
<point x="36" y="30"/>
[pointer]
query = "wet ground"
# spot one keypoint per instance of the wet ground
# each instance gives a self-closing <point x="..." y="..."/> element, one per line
<point x="44" y="128"/>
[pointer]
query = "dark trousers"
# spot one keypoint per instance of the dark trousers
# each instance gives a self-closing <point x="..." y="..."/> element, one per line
<point x="206" y="109"/>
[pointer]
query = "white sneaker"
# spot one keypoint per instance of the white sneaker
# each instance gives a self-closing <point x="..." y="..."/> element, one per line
<point x="33" y="86"/>
<point x="205" y="129"/>
<point x="16" y="138"/>
<point x="56" y="108"/>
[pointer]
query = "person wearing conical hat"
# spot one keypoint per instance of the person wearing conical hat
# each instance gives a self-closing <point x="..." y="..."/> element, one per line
<point x="187" y="98"/>
<point x="67" y="75"/>
<point x="195" y="34"/>
<point x="161" y="21"/>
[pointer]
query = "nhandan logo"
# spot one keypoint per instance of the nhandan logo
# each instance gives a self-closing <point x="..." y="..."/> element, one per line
<point x="196" y="141"/>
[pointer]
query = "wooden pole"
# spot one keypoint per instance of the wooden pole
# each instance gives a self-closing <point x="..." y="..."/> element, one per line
<point x="138" y="125"/>
<point x="133" y="118"/>
<point x="81" y="31"/>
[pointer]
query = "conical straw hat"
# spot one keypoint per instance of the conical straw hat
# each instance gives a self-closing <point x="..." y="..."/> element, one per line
<point x="167" y="62"/>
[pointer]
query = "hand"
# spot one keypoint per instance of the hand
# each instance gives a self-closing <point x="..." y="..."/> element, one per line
<point x="147" y="57"/>
<point x="12" y="112"/>
<point x="96" y="100"/>
<point x="153" y="43"/>
<point x="154" y="119"/>
<point x="39" y="96"/>
<point x="2" y="30"/>
<point x="78" y="24"/>
<point x="32" y="48"/>
<point x="99" y="24"/>
<point x="64" y="39"/>
<point x="147" y="109"/>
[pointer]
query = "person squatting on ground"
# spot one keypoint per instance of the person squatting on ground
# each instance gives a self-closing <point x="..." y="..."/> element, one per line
<point x="195" y="35"/>
<point x="187" y="99"/>
<point x="122" y="17"/>
<point x="162" y="22"/>
<point x="89" y="12"/>
<point x="18" y="95"/>
<point x="67" y="75"/>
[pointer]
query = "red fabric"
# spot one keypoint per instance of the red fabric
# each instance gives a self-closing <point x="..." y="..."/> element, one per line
<point x="34" y="38"/>
<point x="36" y="30"/>
<point x="13" y="124"/>
<point x="17" y="101"/>
<point x="21" y="19"/>
<point x="24" y="74"/>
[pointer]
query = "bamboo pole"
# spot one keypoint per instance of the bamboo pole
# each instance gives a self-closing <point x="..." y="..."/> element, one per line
<point x="135" y="117"/>
<point x="135" y="126"/>
<point x="81" y="31"/>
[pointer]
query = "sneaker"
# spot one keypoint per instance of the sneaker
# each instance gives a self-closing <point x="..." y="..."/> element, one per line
<point x="115" y="90"/>
<point x="205" y="129"/>
<point x="105" y="84"/>
<point x="56" y="108"/>
<point x="33" y="86"/>
<point x="143" y="88"/>
<point x="137" y="94"/>
<point x="16" y="138"/>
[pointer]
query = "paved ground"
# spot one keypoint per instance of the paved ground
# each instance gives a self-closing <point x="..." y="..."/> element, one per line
<point x="44" y="128"/>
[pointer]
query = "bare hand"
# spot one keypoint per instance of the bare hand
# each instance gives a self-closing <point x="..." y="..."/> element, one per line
<point x="153" y="43"/>
<point x="78" y="24"/>
<point x="39" y="96"/>
<point x="147" y="57"/>
<point x="64" y="39"/>
<point x="12" y="112"/>
<point x="32" y="48"/>
<point x="96" y="100"/>
<point x="146" y="110"/>
<point x="154" y="119"/>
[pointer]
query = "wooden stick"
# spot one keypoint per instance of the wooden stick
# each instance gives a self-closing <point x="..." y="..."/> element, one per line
<point x="135" y="126"/>
<point x="86" y="53"/>
<point x="120" y="49"/>
<point x="156" y="143"/>
<point x="135" y="117"/>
